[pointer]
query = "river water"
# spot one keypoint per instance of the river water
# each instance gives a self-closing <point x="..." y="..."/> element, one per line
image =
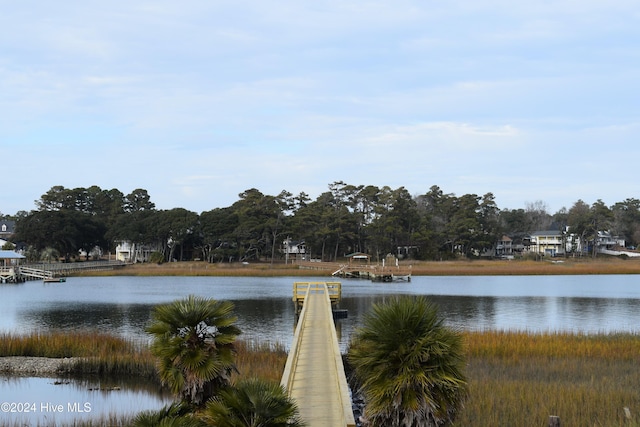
<point x="122" y="306"/>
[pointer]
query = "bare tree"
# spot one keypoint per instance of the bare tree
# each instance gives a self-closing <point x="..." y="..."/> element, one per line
<point x="538" y="215"/>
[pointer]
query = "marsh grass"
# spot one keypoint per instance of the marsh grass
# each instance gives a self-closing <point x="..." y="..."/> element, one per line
<point x="545" y="266"/>
<point x="260" y="360"/>
<point x="105" y="421"/>
<point x="199" y="268"/>
<point x="110" y="356"/>
<point x="104" y="354"/>
<point x="64" y="344"/>
<point x="520" y="379"/>
<point x="99" y="354"/>
<point x="516" y="379"/>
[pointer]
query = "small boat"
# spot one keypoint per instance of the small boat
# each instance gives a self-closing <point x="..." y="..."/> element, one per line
<point x="54" y="280"/>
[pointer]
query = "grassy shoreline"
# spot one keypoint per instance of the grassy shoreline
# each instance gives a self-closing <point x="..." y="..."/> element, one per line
<point x="546" y="266"/>
<point x="520" y="379"/>
<point x="104" y="354"/>
<point x="515" y="378"/>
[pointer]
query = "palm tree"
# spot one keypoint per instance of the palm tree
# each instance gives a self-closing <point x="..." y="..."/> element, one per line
<point x="409" y="365"/>
<point x="194" y="342"/>
<point x="174" y="415"/>
<point x="252" y="403"/>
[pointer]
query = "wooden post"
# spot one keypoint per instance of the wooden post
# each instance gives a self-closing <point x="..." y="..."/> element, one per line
<point x="554" y="421"/>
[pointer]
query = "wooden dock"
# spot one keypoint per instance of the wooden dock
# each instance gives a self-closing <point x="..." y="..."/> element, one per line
<point x="374" y="273"/>
<point x="314" y="374"/>
<point x="301" y="291"/>
<point x="52" y="271"/>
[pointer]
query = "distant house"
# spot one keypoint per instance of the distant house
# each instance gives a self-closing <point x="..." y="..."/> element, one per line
<point x="504" y="248"/>
<point x="606" y="241"/>
<point x="10" y="258"/>
<point x="7" y="235"/>
<point x="406" y="251"/>
<point x="294" y="250"/>
<point x="358" y="258"/>
<point x="547" y="242"/>
<point x="132" y="252"/>
<point x="7" y="229"/>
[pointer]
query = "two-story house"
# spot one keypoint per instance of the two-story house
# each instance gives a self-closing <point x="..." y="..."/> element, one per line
<point x="127" y="251"/>
<point x="504" y="247"/>
<point x="549" y="242"/>
<point x="294" y="250"/>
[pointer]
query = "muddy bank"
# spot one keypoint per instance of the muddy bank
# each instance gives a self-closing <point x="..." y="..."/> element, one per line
<point x="21" y="365"/>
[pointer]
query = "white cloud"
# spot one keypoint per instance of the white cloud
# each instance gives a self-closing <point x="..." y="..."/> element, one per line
<point x="199" y="101"/>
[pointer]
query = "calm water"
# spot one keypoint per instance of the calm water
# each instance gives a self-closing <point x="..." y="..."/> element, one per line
<point x="122" y="305"/>
<point x="50" y="401"/>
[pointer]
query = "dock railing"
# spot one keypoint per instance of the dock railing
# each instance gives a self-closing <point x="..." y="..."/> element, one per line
<point x="343" y="386"/>
<point x="294" y="351"/>
<point x="302" y="289"/>
<point x="326" y="353"/>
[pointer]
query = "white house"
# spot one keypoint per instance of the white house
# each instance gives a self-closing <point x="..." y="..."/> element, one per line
<point x="132" y="252"/>
<point x="547" y="242"/>
<point x="294" y="250"/>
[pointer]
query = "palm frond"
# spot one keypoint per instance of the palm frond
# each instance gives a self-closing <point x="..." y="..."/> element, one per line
<point x="194" y="343"/>
<point x="253" y="402"/>
<point x="409" y="364"/>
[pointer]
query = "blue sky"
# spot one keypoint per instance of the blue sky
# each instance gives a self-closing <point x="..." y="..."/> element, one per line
<point x="197" y="101"/>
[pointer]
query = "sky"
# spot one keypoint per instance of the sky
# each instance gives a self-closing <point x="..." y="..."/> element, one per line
<point x="200" y="100"/>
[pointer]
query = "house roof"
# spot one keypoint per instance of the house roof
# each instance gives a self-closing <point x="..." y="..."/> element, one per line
<point x="546" y="233"/>
<point x="357" y="255"/>
<point x="10" y="255"/>
<point x="9" y="224"/>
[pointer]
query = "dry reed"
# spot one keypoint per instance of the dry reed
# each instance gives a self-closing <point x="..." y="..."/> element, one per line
<point x="98" y="353"/>
<point x="64" y="344"/>
<point x="546" y="266"/>
<point x="260" y="360"/>
<point x="520" y="379"/>
<point x="104" y="354"/>
<point x="515" y="378"/>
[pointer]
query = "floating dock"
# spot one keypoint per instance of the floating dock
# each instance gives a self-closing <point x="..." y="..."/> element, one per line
<point x="374" y="273"/>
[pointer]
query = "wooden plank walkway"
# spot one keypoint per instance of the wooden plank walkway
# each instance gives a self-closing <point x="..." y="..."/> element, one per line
<point x="314" y="375"/>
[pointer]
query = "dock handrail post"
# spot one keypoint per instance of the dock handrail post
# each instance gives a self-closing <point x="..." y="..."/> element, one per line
<point x="347" y="413"/>
<point x="287" y="376"/>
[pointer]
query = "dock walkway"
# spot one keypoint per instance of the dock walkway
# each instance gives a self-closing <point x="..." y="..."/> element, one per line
<point x="21" y="273"/>
<point x="314" y="374"/>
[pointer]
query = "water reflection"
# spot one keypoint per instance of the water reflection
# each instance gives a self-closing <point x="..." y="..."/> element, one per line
<point x="58" y="401"/>
<point x="266" y="320"/>
<point x="122" y="319"/>
<point x="123" y="305"/>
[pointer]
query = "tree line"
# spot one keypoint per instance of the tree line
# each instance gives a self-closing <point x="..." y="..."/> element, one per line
<point x="345" y="219"/>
